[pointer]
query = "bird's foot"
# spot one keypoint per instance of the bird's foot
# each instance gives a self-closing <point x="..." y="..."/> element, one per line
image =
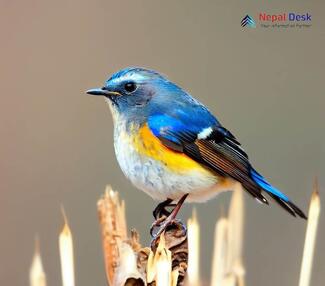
<point x="161" y="209"/>
<point x="156" y="225"/>
<point x="164" y="221"/>
<point x="164" y="225"/>
<point x="160" y="225"/>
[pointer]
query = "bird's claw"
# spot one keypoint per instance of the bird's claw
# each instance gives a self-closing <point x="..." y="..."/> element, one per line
<point x="163" y="222"/>
<point x="161" y="209"/>
<point x="163" y="225"/>
<point x="157" y="224"/>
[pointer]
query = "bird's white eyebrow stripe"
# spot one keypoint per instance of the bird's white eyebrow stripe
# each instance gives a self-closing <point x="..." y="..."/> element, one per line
<point x="131" y="77"/>
<point x="205" y="133"/>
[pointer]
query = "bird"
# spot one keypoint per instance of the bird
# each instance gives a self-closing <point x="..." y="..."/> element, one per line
<point x="169" y="145"/>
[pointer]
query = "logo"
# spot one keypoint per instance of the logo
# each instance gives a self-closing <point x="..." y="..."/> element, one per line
<point x="248" y="21"/>
<point x="278" y="20"/>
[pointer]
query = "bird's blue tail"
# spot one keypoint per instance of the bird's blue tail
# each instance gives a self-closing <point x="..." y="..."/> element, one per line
<point x="279" y="197"/>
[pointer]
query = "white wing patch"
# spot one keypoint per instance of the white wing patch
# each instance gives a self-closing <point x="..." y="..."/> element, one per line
<point x="205" y="133"/>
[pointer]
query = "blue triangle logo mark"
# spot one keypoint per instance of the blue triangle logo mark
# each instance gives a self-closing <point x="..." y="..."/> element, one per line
<point x="248" y="21"/>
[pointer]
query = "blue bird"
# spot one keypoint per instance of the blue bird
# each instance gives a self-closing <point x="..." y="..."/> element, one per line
<point x="169" y="145"/>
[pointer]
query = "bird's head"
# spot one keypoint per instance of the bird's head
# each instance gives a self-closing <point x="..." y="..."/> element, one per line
<point x="136" y="92"/>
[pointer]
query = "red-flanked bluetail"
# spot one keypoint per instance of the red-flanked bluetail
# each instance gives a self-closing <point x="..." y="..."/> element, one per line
<point x="170" y="145"/>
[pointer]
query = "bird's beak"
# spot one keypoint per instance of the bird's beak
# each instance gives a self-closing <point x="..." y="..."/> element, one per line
<point x="102" y="92"/>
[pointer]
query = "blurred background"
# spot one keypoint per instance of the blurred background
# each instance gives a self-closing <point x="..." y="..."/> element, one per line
<point x="265" y="85"/>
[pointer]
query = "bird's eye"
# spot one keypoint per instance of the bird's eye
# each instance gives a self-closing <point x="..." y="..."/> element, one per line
<point x="130" y="86"/>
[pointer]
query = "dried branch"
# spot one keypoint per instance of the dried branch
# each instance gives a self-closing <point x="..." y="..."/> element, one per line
<point x="127" y="272"/>
<point x="126" y="262"/>
<point x="194" y="246"/>
<point x="37" y="275"/>
<point x="227" y="267"/>
<point x="113" y="228"/>
<point x="171" y="247"/>
<point x="165" y="263"/>
<point x="220" y="252"/>
<point x="235" y="232"/>
<point x="313" y="217"/>
<point x="66" y="254"/>
<point x="175" y="237"/>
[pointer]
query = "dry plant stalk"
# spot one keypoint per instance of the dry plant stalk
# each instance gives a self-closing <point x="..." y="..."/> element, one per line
<point x="126" y="262"/>
<point x="175" y="241"/>
<point x="218" y="271"/>
<point x="166" y="264"/>
<point x="113" y="228"/>
<point x="235" y="235"/>
<point x="310" y="239"/>
<point x="37" y="275"/>
<point x="227" y="267"/>
<point x="127" y="272"/>
<point x="193" y="230"/>
<point x="159" y="266"/>
<point x="66" y="254"/>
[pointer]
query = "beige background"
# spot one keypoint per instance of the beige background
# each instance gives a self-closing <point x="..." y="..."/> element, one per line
<point x="265" y="85"/>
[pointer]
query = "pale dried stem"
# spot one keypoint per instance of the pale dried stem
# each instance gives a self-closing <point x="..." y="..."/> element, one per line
<point x="159" y="265"/>
<point x="310" y="239"/>
<point x="218" y="271"/>
<point x="193" y="230"/>
<point x="128" y="264"/>
<point x="113" y="229"/>
<point x="235" y="232"/>
<point x="37" y="275"/>
<point x="127" y="270"/>
<point x="227" y="267"/>
<point x="66" y="254"/>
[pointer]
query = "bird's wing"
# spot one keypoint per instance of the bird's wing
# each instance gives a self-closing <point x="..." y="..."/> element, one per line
<point x="204" y="140"/>
<point x="211" y="145"/>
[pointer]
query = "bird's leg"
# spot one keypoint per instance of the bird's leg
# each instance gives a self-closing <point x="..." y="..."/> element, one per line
<point x="168" y="220"/>
<point x="160" y="210"/>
